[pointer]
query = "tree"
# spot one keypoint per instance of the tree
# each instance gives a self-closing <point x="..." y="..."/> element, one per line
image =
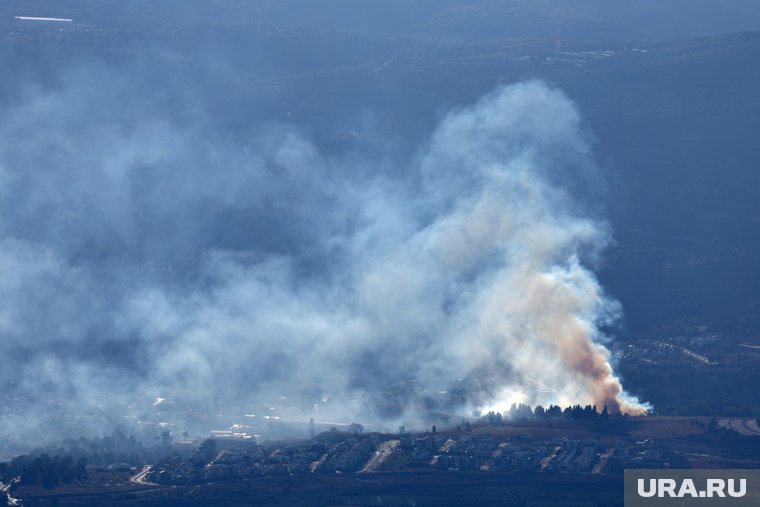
<point x="554" y="412"/>
<point x="520" y="411"/>
<point x="493" y="418"/>
<point x="208" y="449"/>
<point x="64" y="468"/>
<point x="49" y="479"/>
<point x="81" y="467"/>
<point x="539" y="412"/>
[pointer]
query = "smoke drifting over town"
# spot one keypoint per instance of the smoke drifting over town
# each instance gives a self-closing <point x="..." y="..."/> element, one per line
<point x="148" y="256"/>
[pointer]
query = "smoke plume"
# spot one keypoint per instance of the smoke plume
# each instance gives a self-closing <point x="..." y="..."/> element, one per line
<point x="142" y="258"/>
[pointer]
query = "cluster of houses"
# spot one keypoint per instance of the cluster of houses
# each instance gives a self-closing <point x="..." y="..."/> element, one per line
<point x="364" y="453"/>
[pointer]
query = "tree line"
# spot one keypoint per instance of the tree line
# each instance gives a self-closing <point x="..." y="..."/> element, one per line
<point x="48" y="471"/>
<point x="521" y="411"/>
<point x="54" y="465"/>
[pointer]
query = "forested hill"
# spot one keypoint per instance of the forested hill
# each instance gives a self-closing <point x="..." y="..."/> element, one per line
<point x="436" y="20"/>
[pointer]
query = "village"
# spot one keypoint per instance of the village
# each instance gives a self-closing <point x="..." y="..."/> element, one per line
<point x="340" y="453"/>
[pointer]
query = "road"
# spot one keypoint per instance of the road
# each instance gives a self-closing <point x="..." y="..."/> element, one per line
<point x="6" y="488"/>
<point x="381" y="454"/>
<point x="599" y="468"/>
<point x="746" y="427"/>
<point x="139" y="477"/>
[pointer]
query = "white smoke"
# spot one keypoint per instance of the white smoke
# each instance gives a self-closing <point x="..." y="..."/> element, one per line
<point x="477" y="275"/>
<point x="153" y="264"/>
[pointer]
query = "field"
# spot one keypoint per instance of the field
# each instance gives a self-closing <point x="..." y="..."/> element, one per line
<point x="416" y="489"/>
